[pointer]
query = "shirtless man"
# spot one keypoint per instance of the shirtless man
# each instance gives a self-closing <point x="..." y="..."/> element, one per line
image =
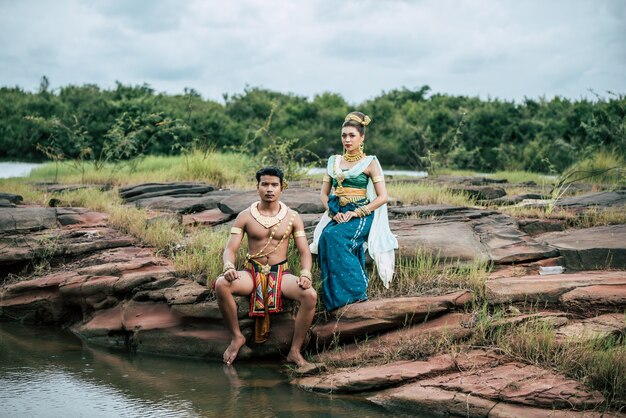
<point x="268" y="225"/>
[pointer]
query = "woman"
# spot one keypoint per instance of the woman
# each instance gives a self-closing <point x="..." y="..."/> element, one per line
<point x="355" y="219"/>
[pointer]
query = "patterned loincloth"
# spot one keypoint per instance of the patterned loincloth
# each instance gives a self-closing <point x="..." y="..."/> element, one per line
<point x="266" y="297"/>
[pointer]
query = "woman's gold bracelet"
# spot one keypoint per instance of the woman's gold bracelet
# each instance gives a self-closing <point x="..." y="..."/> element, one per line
<point x="362" y="211"/>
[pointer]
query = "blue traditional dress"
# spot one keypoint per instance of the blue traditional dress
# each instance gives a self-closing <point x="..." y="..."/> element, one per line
<point x="341" y="246"/>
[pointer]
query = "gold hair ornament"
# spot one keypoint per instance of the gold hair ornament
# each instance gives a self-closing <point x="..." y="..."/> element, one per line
<point x="353" y="117"/>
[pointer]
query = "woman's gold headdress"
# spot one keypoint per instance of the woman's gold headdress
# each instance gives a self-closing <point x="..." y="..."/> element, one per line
<point x="354" y="117"/>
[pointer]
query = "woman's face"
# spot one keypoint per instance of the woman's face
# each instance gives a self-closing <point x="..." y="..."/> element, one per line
<point x="351" y="138"/>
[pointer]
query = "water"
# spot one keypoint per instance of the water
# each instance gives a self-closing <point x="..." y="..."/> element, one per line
<point x="14" y="169"/>
<point x="47" y="372"/>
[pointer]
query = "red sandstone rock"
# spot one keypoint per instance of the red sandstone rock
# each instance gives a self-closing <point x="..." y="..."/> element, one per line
<point x="548" y="288"/>
<point x="449" y="325"/>
<point x="475" y="392"/>
<point x="208" y="217"/>
<point x="371" y="317"/>
<point x="596" y="327"/>
<point x="595" y="298"/>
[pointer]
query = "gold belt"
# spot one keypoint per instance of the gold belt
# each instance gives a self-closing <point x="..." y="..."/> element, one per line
<point x="349" y="194"/>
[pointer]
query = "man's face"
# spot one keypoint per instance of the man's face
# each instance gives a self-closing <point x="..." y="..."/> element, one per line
<point x="269" y="188"/>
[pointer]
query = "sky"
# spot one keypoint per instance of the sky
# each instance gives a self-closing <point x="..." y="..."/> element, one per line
<point x="505" y="49"/>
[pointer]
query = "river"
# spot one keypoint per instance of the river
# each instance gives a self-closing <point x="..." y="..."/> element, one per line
<point x="48" y="372"/>
<point x="15" y="169"/>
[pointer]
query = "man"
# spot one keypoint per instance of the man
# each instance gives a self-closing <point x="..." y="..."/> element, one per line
<point x="268" y="225"/>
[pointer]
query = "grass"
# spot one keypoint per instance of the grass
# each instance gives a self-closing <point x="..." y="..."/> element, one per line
<point x="510" y="176"/>
<point x="588" y="218"/>
<point x="426" y="273"/>
<point x="598" y="363"/>
<point x="234" y="170"/>
<point x="426" y="194"/>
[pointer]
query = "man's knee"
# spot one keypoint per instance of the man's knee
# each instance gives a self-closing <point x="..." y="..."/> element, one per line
<point x="222" y="287"/>
<point x="309" y="297"/>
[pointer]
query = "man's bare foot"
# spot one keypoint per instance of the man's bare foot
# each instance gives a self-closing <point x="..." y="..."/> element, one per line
<point x="233" y="349"/>
<point x="296" y="358"/>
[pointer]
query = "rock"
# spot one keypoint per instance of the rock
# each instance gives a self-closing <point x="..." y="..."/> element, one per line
<point x="415" y="399"/>
<point x="24" y="219"/>
<point x="185" y="204"/>
<point x="446" y="240"/>
<point x="357" y="320"/>
<point x="6" y="204"/>
<point x="469" y="237"/>
<point x="597" y="327"/>
<point x="12" y="198"/>
<point x="163" y="189"/>
<point x="300" y="200"/>
<point x="476" y="392"/>
<point x="451" y="325"/>
<point x="237" y="203"/>
<point x="509" y="410"/>
<point x="182" y="190"/>
<point x="513" y="200"/>
<point x="478" y="181"/>
<point x="605" y="298"/>
<point x="375" y="377"/>
<point x="303" y="200"/>
<point x="209" y="217"/>
<point x="81" y="217"/>
<point x="535" y="227"/>
<point x="425" y="211"/>
<point x="533" y="289"/>
<point x="601" y="199"/>
<point x="57" y="243"/>
<point x="188" y="292"/>
<point x="479" y="192"/>
<point x="593" y="248"/>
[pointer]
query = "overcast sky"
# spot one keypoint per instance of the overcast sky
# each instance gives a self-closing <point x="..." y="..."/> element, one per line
<point x="504" y="49"/>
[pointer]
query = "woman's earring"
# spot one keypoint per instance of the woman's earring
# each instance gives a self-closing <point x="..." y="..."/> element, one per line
<point x="361" y="146"/>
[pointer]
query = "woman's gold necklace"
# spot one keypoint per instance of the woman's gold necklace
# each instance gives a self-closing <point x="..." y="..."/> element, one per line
<point x="353" y="157"/>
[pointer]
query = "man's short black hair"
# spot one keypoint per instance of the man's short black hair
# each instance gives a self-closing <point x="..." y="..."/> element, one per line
<point x="270" y="171"/>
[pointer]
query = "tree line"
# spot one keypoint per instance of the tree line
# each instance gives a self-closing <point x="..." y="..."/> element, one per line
<point x="411" y="128"/>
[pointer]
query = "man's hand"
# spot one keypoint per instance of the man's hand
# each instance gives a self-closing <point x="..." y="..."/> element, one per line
<point x="231" y="275"/>
<point x="304" y="282"/>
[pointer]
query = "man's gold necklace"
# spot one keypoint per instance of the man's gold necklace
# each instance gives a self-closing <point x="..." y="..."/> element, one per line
<point x="268" y="221"/>
<point x="262" y="253"/>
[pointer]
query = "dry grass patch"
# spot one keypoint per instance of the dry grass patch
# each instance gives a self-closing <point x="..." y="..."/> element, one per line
<point x="427" y="273"/>
<point x="427" y="194"/>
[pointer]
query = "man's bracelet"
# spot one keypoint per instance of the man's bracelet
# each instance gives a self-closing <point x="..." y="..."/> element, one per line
<point x="228" y="266"/>
<point x="306" y="273"/>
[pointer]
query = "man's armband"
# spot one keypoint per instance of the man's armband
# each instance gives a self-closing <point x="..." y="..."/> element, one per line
<point x="236" y="231"/>
<point x="298" y="234"/>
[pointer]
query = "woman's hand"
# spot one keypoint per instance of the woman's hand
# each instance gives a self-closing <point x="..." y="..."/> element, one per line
<point x="344" y="217"/>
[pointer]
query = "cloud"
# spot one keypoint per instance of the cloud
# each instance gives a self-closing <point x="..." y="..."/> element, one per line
<point x="507" y="49"/>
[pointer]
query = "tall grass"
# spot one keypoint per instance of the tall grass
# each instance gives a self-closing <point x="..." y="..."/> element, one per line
<point x="234" y="170"/>
<point x="588" y="218"/>
<point x="607" y="169"/>
<point x="426" y="194"/>
<point x="427" y="273"/>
